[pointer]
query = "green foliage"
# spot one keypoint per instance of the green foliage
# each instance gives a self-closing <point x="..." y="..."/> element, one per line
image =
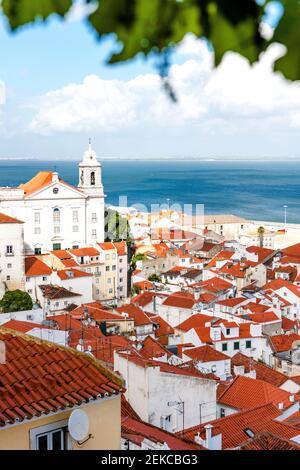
<point x="154" y="278"/>
<point x="15" y="301"/>
<point x="135" y="290"/>
<point x="20" y="12"/>
<point x="116" y="227"/>
<point x="155" y="26"/>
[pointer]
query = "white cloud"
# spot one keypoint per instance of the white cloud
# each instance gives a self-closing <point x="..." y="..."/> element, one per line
<point x="234" y="91"/>
<point x="2" y="93"/>
<point x="79" y="11"/>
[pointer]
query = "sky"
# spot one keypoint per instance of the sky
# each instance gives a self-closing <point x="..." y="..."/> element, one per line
<point x="56" y="91"/>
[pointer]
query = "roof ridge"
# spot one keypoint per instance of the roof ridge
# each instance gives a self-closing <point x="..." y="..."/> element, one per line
<point x="96" y="362"/>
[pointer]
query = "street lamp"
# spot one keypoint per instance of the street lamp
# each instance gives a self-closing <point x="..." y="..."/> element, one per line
<point x="285" y="208"/>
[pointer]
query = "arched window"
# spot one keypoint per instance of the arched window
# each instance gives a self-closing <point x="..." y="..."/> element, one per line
<point x="56" y="215"/>
<point x="93" y="178"/>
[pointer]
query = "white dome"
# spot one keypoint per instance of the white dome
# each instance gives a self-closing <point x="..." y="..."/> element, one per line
<point x="90" y="157"/>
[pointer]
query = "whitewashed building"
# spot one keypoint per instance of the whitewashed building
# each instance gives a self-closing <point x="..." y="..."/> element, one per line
<point x="12" y="271"/>
<point x="56" y="214"/>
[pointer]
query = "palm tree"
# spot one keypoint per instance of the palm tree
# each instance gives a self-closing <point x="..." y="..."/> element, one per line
<point x="261" y="232"/>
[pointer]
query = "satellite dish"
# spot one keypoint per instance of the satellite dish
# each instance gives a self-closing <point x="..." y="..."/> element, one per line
<point x="78" y="425"/>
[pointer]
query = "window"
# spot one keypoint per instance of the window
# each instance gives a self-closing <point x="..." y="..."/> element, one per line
<point x="227" y="331"/>
<point x="166" y="422"/>
<point x="9" y="250"/>
<point x="37" y="230"/>
<point x="75" y="228"/>
<point x="107" y="268"/>
<point x="75" y="216"/>
<point x="9" y="266"/>
<point x="120" y="270"/>
<point x="94" y="217"/>
<point x="57" y="229"/>
<point x="121" y="288"/>
<point x="110" y="291"/>
<point x="75" y="247"/>
<point x="97" y="291"/>
<point x="94" y="233"/>
<point x="114" y="256"/>
<point x="56" y="215"/>
<point x="92" y="178"/>
<point x="109" y="280"/>
<point x="121" y="260"/>
<point x="222" y="412"/>
<point x="107" y="257"/>
<point x="50" y="437"/>
<point x="45" y="278"/>
<point x="37" y="217"/>
<point x="248" y="343"/>
<point x="224" y="347"/>
<point x="8" y="278"/>
<point x="27" y="279"/>
<point x="121" y="279"/>
<point x="113" y="267"/>
<point x="56" y="246"/>
<point x="236" y="345"/>
<point x="56" y="304"/>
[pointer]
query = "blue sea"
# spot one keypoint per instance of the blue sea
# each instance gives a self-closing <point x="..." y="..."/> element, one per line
<point x="251" y="189"/>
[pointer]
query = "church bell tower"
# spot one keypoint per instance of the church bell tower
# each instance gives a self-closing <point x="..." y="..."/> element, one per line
<point x="90" y="174"/>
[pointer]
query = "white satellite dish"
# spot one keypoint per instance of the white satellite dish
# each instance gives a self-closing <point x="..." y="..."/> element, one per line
<point x="78" y="425"/>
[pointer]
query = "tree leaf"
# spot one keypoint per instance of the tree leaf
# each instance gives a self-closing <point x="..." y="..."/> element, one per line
<point x="145" y="26"/>
<point x="234" y="26"/>
<point x="20" y="12"/>
<point x="288" y="33"/>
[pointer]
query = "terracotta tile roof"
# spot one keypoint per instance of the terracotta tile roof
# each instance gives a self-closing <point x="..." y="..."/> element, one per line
<point x="107" y="246"/>
<point x="205" y="354"/>
<point x="54" y="379"/>
<point x="232" y="302"/>
<point x="121" y="247"/>
<point x="153" y="349"/>
<point x="181" y="300"/>
<point x="279" y="283"/>
<point x="256" y="307"/>
<point x="98" y="313"/>
<point x="143" y="285"/>
<point x="287" y="324"/>
<point x="65" y="274"/>
<point x="265" y="317"/>
<point x="65" y="322"/>
<point x="245" y="393"/>
<point x="36" y="267"/>
<point x="283" y="342"/>
<point x="22" y="326"/>
<point x="268" y="441"/>
<point x="7" y="219"/>
<point x="215" y="284"/>
<point x="233" y="427"/>
<point x="263" y="372"/>
<point x="137" y="430"/>
<point x="194" y="321"/>
<point x="86" y="251"/>
<point x="127" y="410"/>
<point x="262" y="253"/>
<point x="61" y="254"/>
<point x="293" y="250"/>
<point x="143" y="299"/>
<point x="135" y="312"/>
<point x="56" y="292"/>
<point x="41" y="179"/>
<point x="164" y="329"/>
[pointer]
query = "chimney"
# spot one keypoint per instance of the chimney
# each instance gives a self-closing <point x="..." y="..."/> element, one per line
<point x="197" y="294"/>
<point x="280" y="406"/>
<point x="292" y="398"/>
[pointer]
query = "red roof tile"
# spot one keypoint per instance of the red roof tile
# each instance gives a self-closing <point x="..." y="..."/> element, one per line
<point x="135" y="312"/>
<point x="233" y="427"/>
<point x="55" y="378"/>
<point x="205" y="354"/>
<point x="7" y="219"/>
<point x="245" y="393"/>
<point x="194" y="321"/>
<point x="267" y="441"/>
<point x="283" y="342"/>
<point x="36" y="267"/>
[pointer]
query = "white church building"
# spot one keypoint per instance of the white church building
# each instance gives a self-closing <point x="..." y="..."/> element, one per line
<point x="56" y="215"/>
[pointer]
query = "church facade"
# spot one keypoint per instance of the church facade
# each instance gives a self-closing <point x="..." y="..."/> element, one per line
<point x="56" y="215"/>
